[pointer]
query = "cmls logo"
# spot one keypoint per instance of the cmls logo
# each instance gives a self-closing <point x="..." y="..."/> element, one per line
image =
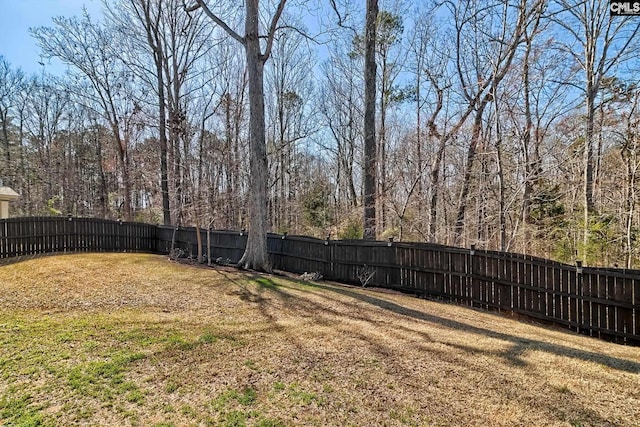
<point x="624" y="8"/>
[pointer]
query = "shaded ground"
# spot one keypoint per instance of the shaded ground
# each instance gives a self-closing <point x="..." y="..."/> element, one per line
<point x="122" y="339"/>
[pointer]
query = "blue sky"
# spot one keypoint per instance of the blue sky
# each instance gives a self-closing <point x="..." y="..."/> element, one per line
<point x="17" y="16"/>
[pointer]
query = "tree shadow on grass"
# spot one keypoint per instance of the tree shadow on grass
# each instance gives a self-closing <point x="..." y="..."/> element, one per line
<point x="514" y="355"/>
<point x="566" y="407"/>
<point x="519" y="344"/>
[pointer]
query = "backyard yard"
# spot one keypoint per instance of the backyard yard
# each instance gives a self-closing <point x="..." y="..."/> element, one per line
<point x="136" y="339"/>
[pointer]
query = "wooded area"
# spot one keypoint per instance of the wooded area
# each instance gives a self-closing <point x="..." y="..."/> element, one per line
<point x="595" y="301"/>
<point x="510" y="126"/>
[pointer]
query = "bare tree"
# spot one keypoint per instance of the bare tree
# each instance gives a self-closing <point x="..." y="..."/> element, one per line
<point x="46" y="109"/>
<point x="539" y="102"/>
<point x="370" y="151"/>
<point x="102" y="82"/>
<point x="255" y="256"/>
<point x="630" y="153"/>
<point x="428" y="61"/>
<point x="232" y="114"/>
<point x="289" y="111"/>
<point x="388" y="36"/>
<point x="604" y="42"/>
<point x="151" y="23"/>
<point x="176" y="42"/>
<point x="341" y="107"/>
<point x="11" y="83"/>
<point x="479" y="79"/>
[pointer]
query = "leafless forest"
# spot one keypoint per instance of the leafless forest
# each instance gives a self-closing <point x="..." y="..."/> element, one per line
<point x="511" y="125"/>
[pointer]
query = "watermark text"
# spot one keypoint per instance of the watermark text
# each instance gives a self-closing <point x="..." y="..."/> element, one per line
<point x="624" y="8"/>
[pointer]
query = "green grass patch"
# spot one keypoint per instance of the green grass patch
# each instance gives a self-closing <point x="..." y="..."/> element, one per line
<point x="251" y="364"/>
<point x="188" y="411"/>
<point x="171" y="387"/>
<point x="208" y="338"/>
<point x="302" y="396"/>
<point x="104" y="379"/>
<point x="270" y="422"/>
<point x="80" y="358"/>
<point x="296" y="394"/>
<point x="246" y="397"/>
<point x="17" y="409"/>
<point x="265" y="282"/>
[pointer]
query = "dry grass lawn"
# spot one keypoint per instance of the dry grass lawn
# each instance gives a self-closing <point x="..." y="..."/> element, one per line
<point x="130" y="339"/>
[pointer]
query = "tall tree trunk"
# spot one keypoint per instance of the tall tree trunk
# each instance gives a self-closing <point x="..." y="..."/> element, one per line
<point x="629" y="154"/>
<point x="435" y="182"/>
<point x="177" y="174"/>
<point x="382" y="154"/>
<point x="164" y="174"/>
<point x="4" y="117"/>
<point x="631" y="163"/>
<point x="229" y="157"/>
<point x="123" y="160"/>
<point x="24" y="180"/>
<point x="529" y="177"/>
<point x="153" y="39"/>
<point x="256" y="256"/>
<point x="502" y="223"/>
<point x="104" y="190"/>
<point x="466" y="183"/>
<point x="370" y="160"/>
<point x="589" y="206"/>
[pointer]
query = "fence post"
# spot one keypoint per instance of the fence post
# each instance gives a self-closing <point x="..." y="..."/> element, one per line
<point x="327" y="256"/>
<point x="579" y="295"/>
<point x="68" y="247"/>
<point x="470" y="290"/>
<point x="120" y="239"/>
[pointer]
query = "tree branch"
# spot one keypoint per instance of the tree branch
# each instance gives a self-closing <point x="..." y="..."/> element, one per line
<point x="200" y="4"/>
<point x="272" y="29"/>
<point x="342" y="19"/>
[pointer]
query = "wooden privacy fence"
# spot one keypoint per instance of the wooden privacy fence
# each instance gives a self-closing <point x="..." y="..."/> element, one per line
<point x="599" y="302"/>
<point x="604" y="303"/>
<point x="43" y="235"/>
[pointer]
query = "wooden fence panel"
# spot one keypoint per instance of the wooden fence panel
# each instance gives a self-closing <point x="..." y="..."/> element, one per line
<point x="563" y="296"/>
<point x="503" y="287"/>
<point x="482" y="275"/>
<point x="475" y="265"/>
<point x="233" y="245"/>
<point x="420" y="274"/>
<point x="586" y="302"/>
<point x="342" y="271"/>
<point x="403" y="258"/>
<point x="303" y="255"/>
<point x="636" y="307"/>
<point x="424" y="267"/>
<point x="42" y="236"/>
<point x="11" y="239"/>
<point x="553" y="302"/>
<point x="575" y="300"/>
<point x="440" y="265"/>
<point x="494" y="266"/>
<point x="18" y="242"/>
<point x="536" y="303"/>
<point x="3" y="239"/>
